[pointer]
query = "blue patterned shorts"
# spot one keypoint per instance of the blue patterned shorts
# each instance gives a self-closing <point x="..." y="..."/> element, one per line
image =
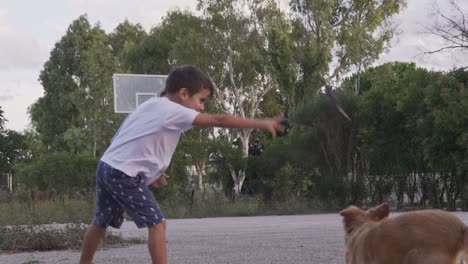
<point x="117" y="192"/>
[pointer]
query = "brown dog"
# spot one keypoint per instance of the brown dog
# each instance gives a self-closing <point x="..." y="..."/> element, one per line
<point x="420" y="237"/>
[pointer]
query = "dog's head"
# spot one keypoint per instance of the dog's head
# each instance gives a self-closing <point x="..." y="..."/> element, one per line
<point x="354" y="217"/>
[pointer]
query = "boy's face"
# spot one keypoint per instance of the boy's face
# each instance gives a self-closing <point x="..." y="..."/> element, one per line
<point x="196" y="101"/>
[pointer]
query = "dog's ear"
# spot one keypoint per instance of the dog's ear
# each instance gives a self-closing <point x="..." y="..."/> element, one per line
<point x="350" y="212"/>
<point x="351" y="218"/>
<point x="379" y="212"/>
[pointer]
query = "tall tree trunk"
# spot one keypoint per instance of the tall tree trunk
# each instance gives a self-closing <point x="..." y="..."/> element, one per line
<point x="239" y="177"/>
<point x="238" y="181"/>
<point x="200" y="166"/>
<point x="94" y="136"/>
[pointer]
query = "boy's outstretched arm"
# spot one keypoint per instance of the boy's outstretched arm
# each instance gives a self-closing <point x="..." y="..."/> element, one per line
<point x="271" y="125"/>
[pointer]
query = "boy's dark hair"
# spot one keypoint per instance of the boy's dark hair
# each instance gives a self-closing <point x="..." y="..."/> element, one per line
<point x="190" y="77"/>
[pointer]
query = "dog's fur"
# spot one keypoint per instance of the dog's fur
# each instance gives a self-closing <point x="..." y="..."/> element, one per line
<point x="428" y="236"/>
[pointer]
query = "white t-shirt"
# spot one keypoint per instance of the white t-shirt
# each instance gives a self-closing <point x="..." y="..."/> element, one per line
<point x="145" y="142"/>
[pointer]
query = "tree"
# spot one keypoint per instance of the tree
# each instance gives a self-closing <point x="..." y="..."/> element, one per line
<point x="124" y="39"/>
<point x="179" y="39"/>
<point x="12" y="147"/>
<point x="445" y="147"/>
<point x="390" y="102"/>
<point x="57" y="110"/>
<point x="451" y="28"/>
<point x="76" y="112"/>
<point x="2" y="120"/>
<point x="285" y="65"/>
<point x="244" y="76"/>
<point x="411" y="130"/>
<point x="64" y="173"/>
<point x="96" y="91"/>
<point x="229" y="43"/>
<point x="158" y="52"/>
<point x="353" y="33"/>
<point x="331" y="146"/>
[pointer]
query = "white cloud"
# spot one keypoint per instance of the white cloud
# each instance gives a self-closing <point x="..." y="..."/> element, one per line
<point x="92" y="3"/>
<point x="109" y="13"/>
<point x="6" y="94"/>
<point x="18" y="95"/>
<point x="150" y="13"/>
<point x="18" y="48"/>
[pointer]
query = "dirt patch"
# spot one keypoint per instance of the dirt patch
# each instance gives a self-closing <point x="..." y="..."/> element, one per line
<point x="48" y="237"/>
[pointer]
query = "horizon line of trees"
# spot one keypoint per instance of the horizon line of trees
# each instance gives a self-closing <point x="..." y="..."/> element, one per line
<point x="408" y="140"/>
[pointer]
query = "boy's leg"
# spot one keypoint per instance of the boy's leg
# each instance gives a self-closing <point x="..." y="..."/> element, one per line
<point x="132" y="195"/>
<point x="157" y="243"/>
<point x="139" y="203"/>
<point x="108" y="212"/>
<point x="91" y="241"/>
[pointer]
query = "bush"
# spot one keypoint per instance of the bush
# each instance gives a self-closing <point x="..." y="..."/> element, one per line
<point x="65" y="173"/>
<point x="5" y="196"/>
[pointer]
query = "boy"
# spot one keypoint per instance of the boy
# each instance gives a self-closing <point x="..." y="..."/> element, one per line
<point x="142" y="150"/>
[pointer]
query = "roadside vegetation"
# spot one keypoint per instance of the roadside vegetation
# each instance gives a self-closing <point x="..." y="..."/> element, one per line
<point x="407" y="143"/>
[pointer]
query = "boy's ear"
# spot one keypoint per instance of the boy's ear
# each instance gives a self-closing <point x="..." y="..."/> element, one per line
<point x="184" y="93"/>
<point x="379" y="212"/>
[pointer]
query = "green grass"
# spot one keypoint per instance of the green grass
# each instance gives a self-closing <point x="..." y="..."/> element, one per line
<point x="66" y="211"/>
<point x="21" y="219"/>
<point x="218" y="205"/>
<point x="213" y="204"/>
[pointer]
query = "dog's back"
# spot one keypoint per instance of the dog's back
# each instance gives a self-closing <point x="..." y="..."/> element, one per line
<point x="429" y="236"/>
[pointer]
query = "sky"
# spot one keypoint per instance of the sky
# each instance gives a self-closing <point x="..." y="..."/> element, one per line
<point x="28" y="34"/>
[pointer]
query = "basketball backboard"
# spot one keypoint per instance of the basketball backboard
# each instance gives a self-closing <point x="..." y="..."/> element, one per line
<point x="131" y="90"/>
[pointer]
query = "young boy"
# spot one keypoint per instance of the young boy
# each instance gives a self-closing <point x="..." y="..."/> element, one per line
<point x="141" y="152"/>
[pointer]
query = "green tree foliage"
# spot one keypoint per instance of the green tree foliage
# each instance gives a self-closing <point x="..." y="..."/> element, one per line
<point x="445" y="146"/>
<point x="285" y="66"/>
<point x="354" y="33"/>
<point x="76" y="111"/>
<point x="124" y="40"/>
<point x="12" y="147"/>
<point x="283" y="171"/>
<point x="411" y="124"/>
<point x="244" y="77"/>
<point x="406" y="140"/>
<point x="54" y="113"/>
<point x="178" y="40"/>
<point x="386" y="116"/>
<point x="228" y="43"/>
<point x="64" y="173"/>
<point x="96" y="93"/>
<point x="331" y="147"/>
<point x="2" y="120"/>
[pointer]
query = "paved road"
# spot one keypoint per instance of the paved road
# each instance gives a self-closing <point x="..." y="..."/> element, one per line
<point x="298" y="239"/>
<point x="257" y="240"/>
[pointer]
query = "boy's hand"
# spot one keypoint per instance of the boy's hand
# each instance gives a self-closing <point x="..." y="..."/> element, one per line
<point x="161" y="181"/>
<point x="273" y="125"/>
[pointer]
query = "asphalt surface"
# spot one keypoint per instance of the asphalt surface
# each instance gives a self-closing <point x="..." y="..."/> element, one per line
<point x="297" y="239"/>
